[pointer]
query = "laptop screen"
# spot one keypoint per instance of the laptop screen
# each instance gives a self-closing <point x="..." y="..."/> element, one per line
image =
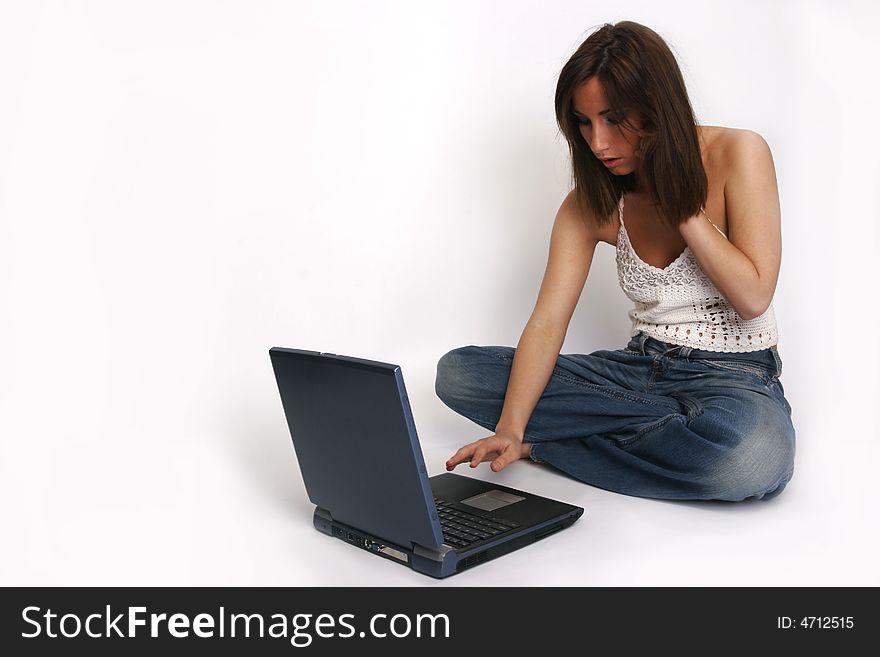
<point x="356" y="444"/>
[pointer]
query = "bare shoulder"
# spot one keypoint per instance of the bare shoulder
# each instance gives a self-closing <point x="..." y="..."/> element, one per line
<point x="571" y="213"/>
<point x="734" y="148"/>
<point x="589" y="227"/>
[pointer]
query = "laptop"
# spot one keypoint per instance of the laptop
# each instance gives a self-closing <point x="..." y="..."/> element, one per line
<point x="362" y="466"/>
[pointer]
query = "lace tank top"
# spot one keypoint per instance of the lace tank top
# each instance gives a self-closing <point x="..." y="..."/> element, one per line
<point x="680" y="305"/>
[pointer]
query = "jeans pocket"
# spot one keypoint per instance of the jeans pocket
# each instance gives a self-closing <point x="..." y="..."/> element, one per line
<point x="743" y="367"/>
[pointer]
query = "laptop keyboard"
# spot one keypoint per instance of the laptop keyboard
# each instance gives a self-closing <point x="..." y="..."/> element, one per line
<point x="460" y="528"/>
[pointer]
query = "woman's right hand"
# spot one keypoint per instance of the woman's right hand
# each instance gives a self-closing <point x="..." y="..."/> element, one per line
<point x="506" y="446"/>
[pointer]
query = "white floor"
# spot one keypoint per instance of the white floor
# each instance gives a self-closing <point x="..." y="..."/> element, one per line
<point x="163" y="503"/>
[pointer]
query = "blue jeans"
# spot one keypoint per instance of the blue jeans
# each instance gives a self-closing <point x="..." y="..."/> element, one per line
<point x="652" y="420"/>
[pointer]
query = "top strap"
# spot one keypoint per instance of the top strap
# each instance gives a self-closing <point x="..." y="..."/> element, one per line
<point x="703" y="210"/>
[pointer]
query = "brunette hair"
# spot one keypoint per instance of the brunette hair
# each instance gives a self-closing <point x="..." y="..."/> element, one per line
<point x="638" y="72"/>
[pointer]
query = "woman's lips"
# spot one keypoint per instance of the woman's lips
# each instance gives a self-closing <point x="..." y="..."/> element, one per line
<point x="612" y="162"/>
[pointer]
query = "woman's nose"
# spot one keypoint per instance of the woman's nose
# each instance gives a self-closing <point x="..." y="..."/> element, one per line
<point x="600" y="141"/>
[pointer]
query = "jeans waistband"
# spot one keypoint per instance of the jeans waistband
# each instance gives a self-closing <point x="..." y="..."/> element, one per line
<point x="647" y="346"/>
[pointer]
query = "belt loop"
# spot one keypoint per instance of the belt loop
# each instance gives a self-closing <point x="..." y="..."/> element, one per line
<point x="643" y="337"/>
<point x="676" y="350"/>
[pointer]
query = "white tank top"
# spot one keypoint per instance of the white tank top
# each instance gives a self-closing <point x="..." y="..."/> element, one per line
<point x="680" y="305"/>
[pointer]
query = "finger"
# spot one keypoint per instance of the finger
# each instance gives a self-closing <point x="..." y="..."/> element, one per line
<point x="484" y="446"/>
<point x="500" y="462"/>
<point x="507" y="456"/>
<point x="490" y="456"/>
<point x="475" y="450"/>
<point x="479" y="455"/>
<point x="454" y="460"/>
<point x="463" y="454"/>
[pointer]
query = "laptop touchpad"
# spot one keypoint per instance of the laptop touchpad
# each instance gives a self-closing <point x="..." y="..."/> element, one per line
<point x="494" y="499"/>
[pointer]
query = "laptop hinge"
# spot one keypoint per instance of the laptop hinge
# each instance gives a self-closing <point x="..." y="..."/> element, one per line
<point x="323" y="521"/>
<point x="434" y="554"/>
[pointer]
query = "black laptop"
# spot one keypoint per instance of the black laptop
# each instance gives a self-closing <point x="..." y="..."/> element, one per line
<point x="362" y="465"/>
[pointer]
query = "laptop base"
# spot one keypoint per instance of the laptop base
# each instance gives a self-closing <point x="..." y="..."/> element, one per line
<point x="443" y="561"/>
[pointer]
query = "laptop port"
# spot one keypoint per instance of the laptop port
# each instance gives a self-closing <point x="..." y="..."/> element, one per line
<point x="391" y="552"/>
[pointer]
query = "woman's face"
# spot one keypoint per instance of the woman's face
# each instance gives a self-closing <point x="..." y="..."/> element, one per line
<point x="601" y="129"/>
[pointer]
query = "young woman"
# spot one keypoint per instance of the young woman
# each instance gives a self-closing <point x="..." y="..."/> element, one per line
<point x="693" y="407"/>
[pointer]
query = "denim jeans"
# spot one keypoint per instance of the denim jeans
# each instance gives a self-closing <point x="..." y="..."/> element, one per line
<point x="652" y="420"/>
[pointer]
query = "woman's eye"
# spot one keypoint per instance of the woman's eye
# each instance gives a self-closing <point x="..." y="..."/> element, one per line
<point x="608" y="119"/>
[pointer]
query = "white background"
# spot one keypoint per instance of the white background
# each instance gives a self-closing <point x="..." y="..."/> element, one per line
<point x="186" y="184"/>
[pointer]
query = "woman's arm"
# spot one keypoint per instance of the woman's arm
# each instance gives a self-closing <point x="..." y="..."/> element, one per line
<point x="745" y="268"/>
<point x="572" y="244"/>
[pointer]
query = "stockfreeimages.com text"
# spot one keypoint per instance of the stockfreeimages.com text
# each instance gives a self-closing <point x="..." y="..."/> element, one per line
<point x="299" y="628"/>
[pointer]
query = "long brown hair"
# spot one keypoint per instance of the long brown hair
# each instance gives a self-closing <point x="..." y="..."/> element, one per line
<point x="638" y="72"/>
